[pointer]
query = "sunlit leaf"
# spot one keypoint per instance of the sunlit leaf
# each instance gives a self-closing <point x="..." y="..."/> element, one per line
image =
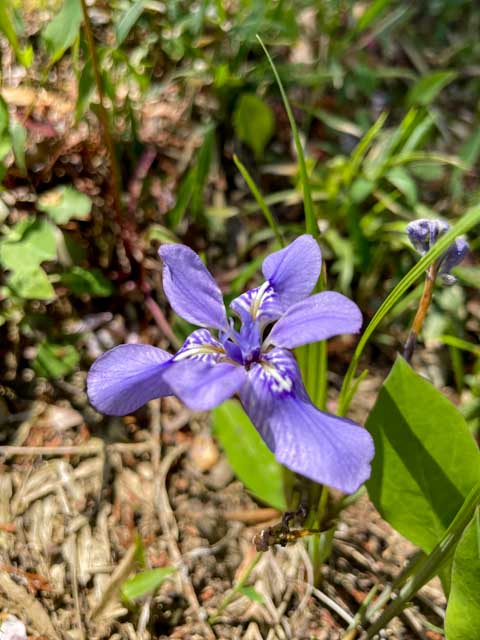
<point x="32" y="284"/>
<point x="28" y="244"/>
<point x="426" y="460"/>
<point x="65" y="203"/>
<point x="252" y="594"/>
<point x="145" y="582"/>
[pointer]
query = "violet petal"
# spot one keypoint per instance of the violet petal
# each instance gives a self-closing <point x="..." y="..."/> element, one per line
<point x="126" y="377"/>
<point x="203" y="385"/>
<point x="325" y="448"/>
<point x="190" y="288"/>
<point x="318" y="317"/>
<point x="293" y="272"/>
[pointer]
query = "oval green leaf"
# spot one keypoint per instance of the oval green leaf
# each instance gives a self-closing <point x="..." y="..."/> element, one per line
<point x="426" y="460"/>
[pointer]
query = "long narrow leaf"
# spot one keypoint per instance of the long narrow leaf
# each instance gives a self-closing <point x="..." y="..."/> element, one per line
<point x="310" y="220"/>
<point x="260" y="200"/>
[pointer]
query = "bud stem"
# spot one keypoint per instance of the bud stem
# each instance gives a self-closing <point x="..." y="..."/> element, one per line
<point x="422" y="311"/>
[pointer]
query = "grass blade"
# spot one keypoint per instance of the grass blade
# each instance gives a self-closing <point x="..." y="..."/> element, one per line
<point x="259" y="199"/>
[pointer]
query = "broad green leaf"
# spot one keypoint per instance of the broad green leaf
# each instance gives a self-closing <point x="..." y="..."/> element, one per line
<point x="426" y="461"/>
<point x="403" y="181"/>
<point x="31" y="284"/>
<point x="248" y="455"/>
<point x="128" y="20"/>
<point x="253" y="122"/>
<point x="27" y="245"/>
<point x="62" y="31"/>
<point x="55" y="360"/>
<point x="462" y="619"/>
<point x="24" y="56"/>
<point x="145" y="582"/>
<point x="91" y="281"/>
<point x="428" y="87"/>
<point x="64" y="203"/>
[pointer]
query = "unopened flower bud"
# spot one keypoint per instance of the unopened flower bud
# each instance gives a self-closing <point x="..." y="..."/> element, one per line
<point x="423" y="234"/>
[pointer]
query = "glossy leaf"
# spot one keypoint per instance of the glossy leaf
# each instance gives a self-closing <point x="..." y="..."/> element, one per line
<point x="248" y="455"/>
<point x="145" y="583"/>
<point x="253" y="122"/>
<point x="62" y="31"/>
<point x="64" y="203"/>
<point x="426" y="460"/>
<point x="463" y="612"/>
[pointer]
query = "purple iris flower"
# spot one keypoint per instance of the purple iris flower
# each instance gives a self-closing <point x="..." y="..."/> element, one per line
<point x="254" y="361"/>
<point x="424" y="233"/>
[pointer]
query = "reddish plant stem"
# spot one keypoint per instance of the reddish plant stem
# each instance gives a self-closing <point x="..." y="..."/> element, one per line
<point x="422" y="311"/>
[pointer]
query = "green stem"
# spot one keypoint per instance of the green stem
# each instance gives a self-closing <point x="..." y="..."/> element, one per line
<point x="103" y="116"/>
